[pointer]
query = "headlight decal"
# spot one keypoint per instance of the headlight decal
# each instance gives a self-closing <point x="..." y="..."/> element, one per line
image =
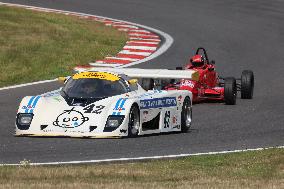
<point x="113" y="122"/>
<point x="24" y="120"/>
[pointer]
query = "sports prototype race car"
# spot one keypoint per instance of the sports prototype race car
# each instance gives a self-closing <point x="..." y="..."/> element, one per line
<point x="110" y="103"/>
<point x="210" y="86"/>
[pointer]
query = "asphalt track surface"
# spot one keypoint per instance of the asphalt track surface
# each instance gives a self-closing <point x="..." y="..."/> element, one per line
<point x="238" y="35"/>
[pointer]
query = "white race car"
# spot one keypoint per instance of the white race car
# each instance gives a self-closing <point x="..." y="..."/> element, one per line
<point x="105" y="102"/>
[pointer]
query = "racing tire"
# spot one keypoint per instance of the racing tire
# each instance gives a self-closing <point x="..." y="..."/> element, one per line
<point x="247" y="84"/>
<point x="230" y="91"/>
<point x="134" y="121"/>
<point x="186" y="115"/>
<point x="147" y="84"/>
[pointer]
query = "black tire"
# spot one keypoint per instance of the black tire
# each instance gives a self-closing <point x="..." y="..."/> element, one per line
<point x="247" y="84"/>
<point x="230" y="91"/>
<point x="134" y="121"/>
<point x="186" y="115"/>
<point x="147" y="84"/>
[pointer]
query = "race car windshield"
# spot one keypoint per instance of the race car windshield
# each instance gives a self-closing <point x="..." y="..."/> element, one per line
<point x="93" y="88"/>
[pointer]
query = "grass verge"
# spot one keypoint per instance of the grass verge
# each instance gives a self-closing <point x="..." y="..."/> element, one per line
<point x="37" y="46"/>
<point x="257" y="169"/>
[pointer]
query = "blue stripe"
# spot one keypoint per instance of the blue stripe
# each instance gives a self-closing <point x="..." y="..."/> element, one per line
<point x="34" y="104"/>
<point x="29" y="104"/>
<point x="123" y="102"/>
<point x="117" y="104"/>
<point x="36" y="100"/>
<point x="113" y="113"/>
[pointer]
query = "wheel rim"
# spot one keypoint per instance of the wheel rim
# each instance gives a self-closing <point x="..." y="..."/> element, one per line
<point x="187" y="115"/>
<point x="134" y="121"/>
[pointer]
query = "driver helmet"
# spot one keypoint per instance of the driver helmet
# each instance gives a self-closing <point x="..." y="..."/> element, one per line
<point x="90" y="87"/>
<point x="197" y="60"/>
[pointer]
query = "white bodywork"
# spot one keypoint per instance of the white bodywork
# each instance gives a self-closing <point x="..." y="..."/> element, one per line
<point x="51" y="114"/>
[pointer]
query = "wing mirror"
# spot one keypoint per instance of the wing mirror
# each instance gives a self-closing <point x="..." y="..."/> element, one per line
<point x="61" y="79"/>
<point x="212" y="62"/>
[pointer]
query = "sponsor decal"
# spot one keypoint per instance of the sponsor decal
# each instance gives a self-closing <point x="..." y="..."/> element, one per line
<point x="158" y="102"/>
<point x="145" y="115"/>
<point x="96" y="75"/>
<point x="167" y="119"/>
<point x="123" y="130"/>
<point x="176" y="127"/>
<point x="65" y="131"/>
<point x="174" y="119"/>
<point x="150" y="93"/>
<point x="70" y="119"/>
<point x="179" y="99"/>
<point x="29" y="108"/>
<point x="56" y="93"/>
<point x="187" y="83"/>
<point x="57" y="98"/>
<point x="119" y="106"/>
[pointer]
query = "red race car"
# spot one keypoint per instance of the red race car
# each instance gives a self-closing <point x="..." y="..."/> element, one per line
<point x="210" y="86"/>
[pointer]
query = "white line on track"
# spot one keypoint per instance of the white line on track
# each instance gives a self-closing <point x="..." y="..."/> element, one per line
<point x="141" y="158"/>
<point x="27" y="84"/>
<point x="168" y="40"/>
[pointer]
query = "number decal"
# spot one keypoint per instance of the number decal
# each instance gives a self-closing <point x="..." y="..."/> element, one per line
<point x="167" y="119"/>
<point x="89" y="109"/>
<point x="94" y="109"/>
<point x="98" y="109"/>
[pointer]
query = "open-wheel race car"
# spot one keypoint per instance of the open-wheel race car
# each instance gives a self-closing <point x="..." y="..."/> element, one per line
<point x="210" y="86"/>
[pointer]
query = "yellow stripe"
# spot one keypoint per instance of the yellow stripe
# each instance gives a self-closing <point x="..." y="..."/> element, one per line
<point x="96" y="75"/>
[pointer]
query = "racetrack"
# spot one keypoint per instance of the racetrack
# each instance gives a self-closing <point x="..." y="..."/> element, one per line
<point x="237" y="34"/>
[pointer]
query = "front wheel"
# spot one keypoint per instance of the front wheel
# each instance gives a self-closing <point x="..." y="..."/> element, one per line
<point x="247" y="84"/>
<point x="134" y="121"/>
<point x="186" y="115"/>
<point x="230" y="91"/>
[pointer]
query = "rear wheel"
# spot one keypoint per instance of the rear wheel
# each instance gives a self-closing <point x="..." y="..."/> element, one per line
<point x="230" y="91"/>
<point x="247" y="84"/>
<point x="186" y="115"/>
<point x="134" y="121"/>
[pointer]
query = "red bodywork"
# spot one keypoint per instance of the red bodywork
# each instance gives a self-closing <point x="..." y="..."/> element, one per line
<point x="208" y="87"/>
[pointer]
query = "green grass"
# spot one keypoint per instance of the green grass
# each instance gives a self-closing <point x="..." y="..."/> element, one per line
<point x="258" y="169"/>
<point x="37" y="46"/>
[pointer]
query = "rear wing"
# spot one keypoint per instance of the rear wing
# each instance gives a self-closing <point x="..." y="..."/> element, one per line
<point x="146" y="73"/>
